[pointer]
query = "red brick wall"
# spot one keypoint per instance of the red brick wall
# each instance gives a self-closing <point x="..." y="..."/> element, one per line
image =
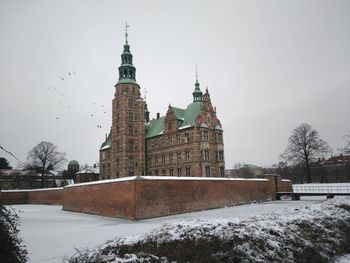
<point x="114" y="199"/>
<point x="155" y="198"/>
<point x="47" y="196"/>
<point x="11" y="197"/>
<point x="142" y="198"/>
<point x="285" y="186"/>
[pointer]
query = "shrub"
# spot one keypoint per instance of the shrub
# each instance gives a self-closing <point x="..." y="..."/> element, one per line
<point x="11" y="248"/>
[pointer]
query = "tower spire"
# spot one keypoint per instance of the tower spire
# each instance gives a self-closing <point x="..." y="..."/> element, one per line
<point x="127" y="71"/>
<point x="146" y="111"/>
<point x="126" y="32"/>
<point x="197" y="93"/>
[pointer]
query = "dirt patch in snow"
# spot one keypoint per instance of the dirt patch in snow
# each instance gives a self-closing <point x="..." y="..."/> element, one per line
<point x="314" y="233"/>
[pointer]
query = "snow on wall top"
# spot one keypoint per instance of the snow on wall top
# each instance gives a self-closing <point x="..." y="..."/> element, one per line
<point x="32" y="190"/>
<point x="133" y="178"/>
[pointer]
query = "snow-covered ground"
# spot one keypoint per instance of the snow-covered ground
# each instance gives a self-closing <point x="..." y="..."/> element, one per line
<point x="51" y="234"/>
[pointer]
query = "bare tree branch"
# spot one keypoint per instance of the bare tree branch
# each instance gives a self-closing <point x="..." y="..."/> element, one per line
<point x="305" y="147"/>
<point x="45" y="156"/>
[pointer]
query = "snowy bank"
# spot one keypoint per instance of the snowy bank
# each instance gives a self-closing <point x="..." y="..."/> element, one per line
<point x="314" y="233"/>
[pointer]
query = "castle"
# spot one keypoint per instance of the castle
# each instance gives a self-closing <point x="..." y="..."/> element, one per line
<point x="184" y="142"/>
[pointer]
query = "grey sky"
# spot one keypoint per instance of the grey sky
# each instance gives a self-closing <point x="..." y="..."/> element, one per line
<point x="269" y="66"/>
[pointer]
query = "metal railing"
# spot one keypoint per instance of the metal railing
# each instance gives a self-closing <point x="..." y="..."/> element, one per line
<point x="325" y="189"/>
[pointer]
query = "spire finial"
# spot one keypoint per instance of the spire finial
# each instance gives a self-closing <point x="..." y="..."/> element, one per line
<point x="196" y="73"/>
<point x="145" y="95"/>
<point x="126" y="32"/>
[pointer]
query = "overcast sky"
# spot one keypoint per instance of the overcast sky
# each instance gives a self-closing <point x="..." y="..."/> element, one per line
<point x="269" y="66"/>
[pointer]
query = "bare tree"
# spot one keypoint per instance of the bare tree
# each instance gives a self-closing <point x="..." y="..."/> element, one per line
<point x="346" y="148"/>
<point x="305" y="147"/>
<point x="45" y="157"/>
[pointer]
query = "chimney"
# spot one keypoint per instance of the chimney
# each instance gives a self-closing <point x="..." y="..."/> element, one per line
<point x="158" y="115"/>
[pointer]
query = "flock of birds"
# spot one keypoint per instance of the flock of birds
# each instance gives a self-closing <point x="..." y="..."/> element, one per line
<point x="61" y="97"/>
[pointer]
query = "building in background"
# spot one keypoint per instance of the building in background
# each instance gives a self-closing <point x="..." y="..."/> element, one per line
<point x="184" y="142"/>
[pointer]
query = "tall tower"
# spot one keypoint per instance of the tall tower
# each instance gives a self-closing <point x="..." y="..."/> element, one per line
<point x="128" y="120"/>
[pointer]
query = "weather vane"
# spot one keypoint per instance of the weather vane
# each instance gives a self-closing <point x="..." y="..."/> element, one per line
<point x="196" y="73"/>
<point x="126" y="31"/>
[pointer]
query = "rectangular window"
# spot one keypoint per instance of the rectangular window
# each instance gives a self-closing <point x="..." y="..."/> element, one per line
<point x="178" y="139"/>
<point x="131" y="129"/>
<point x="187" y="137"/>
<point x="163" y="172"/>
<point x="131" y="145"/>
<point x="188" y="171"/>
<point x="221" y="156"/>
<point x="179" y="172"/>
<point x="171" y="171"/>
<point x="150" y="161"/>
<point x="170" y="139"/>
<point x="219" y="136"/>
<point x="178" y="157"/>
<point x="187" y="156"/>
<point x="206" y="155"/>
<point x="131" y="162"/>
<point x="131" y="116"/>
<point x="222" y="171"/>
<point x="163" y="160"/>
<point x="204" y="136"/>
<point x="156" y="172"/>
<point x="171" y="161"/>
<point x="207" y="171"/>
<point x="156" y="161"/>
<point x="131" y="103"/>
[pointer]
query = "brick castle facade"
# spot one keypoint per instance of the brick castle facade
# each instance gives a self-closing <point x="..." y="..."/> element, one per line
<point x="184" y="142"/>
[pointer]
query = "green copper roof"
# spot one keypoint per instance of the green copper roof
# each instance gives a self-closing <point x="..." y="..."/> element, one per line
<point x="154" y="128"/>
<point x="73" y="163"/>
<point x="191" y="113"/>
<point x="107" y="143"/>
<point x="126" y="81"/>
<point x="179" y="113"/>
<point x="186" y="118"/>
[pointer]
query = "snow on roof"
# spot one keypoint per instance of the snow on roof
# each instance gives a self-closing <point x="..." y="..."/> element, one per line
<point x="106" y="147"/>
<point x="32" y="190"/>
<point x="218" y="127"/>
<point x="184" y="127"/>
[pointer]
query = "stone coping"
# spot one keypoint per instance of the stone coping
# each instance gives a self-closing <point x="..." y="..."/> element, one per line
<point x="169" y="178"/>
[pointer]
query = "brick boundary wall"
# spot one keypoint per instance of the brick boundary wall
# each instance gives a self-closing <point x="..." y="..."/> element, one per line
<point x="48" y="196"/>
<point x="156" y="198"/>
<point x="143" y="197"/>
<point x="113" y="199"/>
